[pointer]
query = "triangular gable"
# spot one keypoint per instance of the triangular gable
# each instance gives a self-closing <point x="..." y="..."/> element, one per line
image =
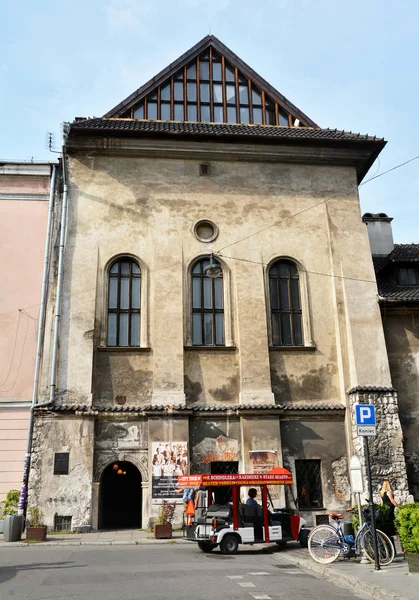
<point x="209" y="83"/>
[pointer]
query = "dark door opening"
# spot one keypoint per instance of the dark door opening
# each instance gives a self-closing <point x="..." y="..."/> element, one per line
<point x="223" y="495"/>
<point x="120" y="497"/>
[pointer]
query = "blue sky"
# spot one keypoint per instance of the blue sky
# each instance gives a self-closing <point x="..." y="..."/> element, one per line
<point x="351" y="65"/>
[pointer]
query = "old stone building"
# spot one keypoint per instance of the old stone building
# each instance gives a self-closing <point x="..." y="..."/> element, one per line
<point x="396" y="266"/>
<point x="219" y="307"/>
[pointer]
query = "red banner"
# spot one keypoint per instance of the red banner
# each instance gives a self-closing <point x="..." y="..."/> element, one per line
<point x="284" y="478"/>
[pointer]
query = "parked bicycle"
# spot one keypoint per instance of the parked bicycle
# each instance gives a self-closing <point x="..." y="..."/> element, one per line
<point x="327" y="543"/>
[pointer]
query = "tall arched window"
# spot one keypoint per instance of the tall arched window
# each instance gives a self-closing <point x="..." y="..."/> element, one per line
<point x="124" y="303"/>
<point x="286" y="313"/>
<point x="207" y="307"/>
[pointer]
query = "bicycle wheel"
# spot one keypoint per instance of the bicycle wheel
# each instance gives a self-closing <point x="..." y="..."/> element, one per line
<point x="384" y="546"/>
<point x="324" y="544"/>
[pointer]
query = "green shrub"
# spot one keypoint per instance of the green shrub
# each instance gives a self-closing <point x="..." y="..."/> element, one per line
<point x="11" y="502"/>
<point x="35" y="517"/>
<point x="383" y="518"/>
<point x="407" y="525"/>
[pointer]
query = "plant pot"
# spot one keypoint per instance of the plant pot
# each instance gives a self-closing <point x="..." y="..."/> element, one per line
<point x="163" y="531"/>
<point x="36" y="534"/>
<point x="413" y="562"/>
<point x="1" y="525"/>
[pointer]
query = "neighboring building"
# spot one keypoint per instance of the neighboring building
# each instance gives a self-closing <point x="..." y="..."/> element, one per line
<point x="397" y="269"/>
<point x="24" y="194"/>
<point x="163" y="369"/>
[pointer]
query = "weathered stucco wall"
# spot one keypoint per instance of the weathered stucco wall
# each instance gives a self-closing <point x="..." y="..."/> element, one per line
<point x="401" y="328"/>
<point x="63" y="495"/>
<point x="147" y="208"/>
<point x="127" y="374"/>
<point x="211" y="377"/>
<point x="324" y="440"/>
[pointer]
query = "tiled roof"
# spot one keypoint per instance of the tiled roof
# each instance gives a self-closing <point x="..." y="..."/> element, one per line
<point x="370" y="389"/>
<point x="132" y="126"/>
<point x="306" y="407"/>
<point x="388" y="289"/>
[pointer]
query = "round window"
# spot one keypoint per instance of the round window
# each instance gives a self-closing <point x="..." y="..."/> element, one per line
<point x="205" y="231"/>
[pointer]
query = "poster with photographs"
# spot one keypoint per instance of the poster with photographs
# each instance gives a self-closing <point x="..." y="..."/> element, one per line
<point x="260" y="463"/>
<point x="169" y="460"/>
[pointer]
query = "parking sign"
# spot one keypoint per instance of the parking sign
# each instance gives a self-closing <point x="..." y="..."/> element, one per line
<point x="365" y="419"/>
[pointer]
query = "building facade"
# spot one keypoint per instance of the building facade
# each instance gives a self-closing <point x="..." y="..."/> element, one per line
<point x="24" y="195"/>
<point x="219" y="305"/>
<point x="397" y="270"/>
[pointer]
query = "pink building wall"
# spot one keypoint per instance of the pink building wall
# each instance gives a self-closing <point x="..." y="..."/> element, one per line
<point x="24" y="194"/>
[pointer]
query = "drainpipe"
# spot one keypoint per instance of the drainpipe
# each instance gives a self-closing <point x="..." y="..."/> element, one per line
<point x="39" y="345"/>
<point x="57" y="317"/>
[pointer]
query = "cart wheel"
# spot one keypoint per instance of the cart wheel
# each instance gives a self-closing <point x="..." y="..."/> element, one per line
<point x="303" y="537"/>
<point x="229" y="544"/>
<point x="282" y="544"/>
<point x="206" y="546"/>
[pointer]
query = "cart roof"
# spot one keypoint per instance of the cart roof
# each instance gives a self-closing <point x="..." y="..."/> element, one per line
<point x="280" y="476"/>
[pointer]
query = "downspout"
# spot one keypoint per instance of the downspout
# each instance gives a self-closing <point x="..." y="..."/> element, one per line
<point x="39" y="345"/>
<point x="57" y="318"/>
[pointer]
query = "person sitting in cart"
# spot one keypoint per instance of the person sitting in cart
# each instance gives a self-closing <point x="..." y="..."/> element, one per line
<point x="252" y="502"/>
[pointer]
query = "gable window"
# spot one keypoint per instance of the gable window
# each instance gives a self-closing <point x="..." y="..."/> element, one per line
<point x="309" y="484"/>
<point x="207" y="307"/>
<point x="408" y="277"/>
<point x="212" y="89"/>
<point x="285" y="304"/>
<point x="124" y="303"/>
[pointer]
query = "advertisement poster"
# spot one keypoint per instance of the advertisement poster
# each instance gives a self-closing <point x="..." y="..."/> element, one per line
<point x="261" y="462"/>
<point x="169" y="460"/>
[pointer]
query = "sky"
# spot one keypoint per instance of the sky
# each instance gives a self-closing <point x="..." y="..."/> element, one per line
<point x="347" y="65"/>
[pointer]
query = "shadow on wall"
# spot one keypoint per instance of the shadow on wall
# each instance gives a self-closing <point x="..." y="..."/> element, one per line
<point x="401" y="333"/>
<point x="124" y="374"/>
<point x="317" y="384"/>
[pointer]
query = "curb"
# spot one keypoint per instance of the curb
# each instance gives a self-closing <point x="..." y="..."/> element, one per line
<point x="93" y="543"/>
<point x="344" y="580"/>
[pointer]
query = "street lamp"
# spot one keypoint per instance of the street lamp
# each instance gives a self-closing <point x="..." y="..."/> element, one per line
<point x="213" y="269"/>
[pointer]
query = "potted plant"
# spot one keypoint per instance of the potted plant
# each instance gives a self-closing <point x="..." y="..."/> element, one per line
<point x="407" y="525"/>
<point x="163" y="524"/>
<point x="9" y="506"/>
<point x="36" y="531"/>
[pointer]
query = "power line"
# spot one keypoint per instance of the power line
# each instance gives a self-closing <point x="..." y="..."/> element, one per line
<point x="306" y="270"/>
<point x="20" y="359"/>
<point x="389" y="170"/>
<point x="13" y="351"/>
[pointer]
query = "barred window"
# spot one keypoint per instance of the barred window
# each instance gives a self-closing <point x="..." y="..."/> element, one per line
<point x="309" y="484"/>
<point x="124" y="303"/>
<point x="286" y="313"/>
<point x="62" y="523"/>
<point x="207" y="307"/>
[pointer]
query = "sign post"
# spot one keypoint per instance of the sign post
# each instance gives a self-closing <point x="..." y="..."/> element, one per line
<point x="366" y="426"/>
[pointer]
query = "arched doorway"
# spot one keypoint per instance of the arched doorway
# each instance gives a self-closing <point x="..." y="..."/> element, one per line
<point x="120" y="497"/>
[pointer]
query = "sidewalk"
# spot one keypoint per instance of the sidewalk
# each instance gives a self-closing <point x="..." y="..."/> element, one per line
<point x="391" y="583"/>
<point x="98" y="538"/>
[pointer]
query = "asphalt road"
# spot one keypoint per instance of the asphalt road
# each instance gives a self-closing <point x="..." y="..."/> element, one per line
<point x="173" y="572"/>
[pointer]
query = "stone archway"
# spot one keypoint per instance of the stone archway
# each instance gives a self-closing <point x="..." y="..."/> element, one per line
<point x="120" y="496"/>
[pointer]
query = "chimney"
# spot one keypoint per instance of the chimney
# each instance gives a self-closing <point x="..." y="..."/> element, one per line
<point x="379" y="233"/>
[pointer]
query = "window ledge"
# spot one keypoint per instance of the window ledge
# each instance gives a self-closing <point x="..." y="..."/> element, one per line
<point x="122" y="349"/>
<point x="293" y="348"/>
<point x="211" y="348"/>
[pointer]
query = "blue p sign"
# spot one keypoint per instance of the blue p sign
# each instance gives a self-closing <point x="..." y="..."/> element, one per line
<point x="365" y="414"/>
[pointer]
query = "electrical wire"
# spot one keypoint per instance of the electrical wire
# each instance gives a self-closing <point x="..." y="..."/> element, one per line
<point x="13" y="351"/>
<point x="20" y="360"/>
<point x="310" y="272"/>
<point x="389" y="170"/>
